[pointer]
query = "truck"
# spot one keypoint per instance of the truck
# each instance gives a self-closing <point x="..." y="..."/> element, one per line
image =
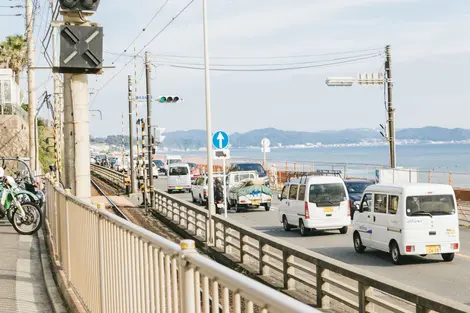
<point x="246" y="189"/>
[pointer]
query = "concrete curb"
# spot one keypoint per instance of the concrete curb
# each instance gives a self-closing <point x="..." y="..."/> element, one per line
<point x="52" y="291"/>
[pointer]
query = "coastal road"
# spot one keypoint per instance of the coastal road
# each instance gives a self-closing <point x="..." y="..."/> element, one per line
<point x="450" y="280"/>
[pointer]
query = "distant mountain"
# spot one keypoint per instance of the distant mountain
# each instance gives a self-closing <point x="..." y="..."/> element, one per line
<point x="195" y="139"/>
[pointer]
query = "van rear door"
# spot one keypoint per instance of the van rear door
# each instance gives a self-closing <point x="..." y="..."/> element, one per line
<point x="431" y="219"/>
<point x="327" y="200"/>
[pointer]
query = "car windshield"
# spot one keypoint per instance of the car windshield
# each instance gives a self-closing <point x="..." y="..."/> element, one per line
<point x="192" y="165"/>
<point x="174" y="161"/>
<point x="178" y="170"/>
<point x="250" y="167"/>
<point x="327" y="194"/>
<point x="158" y="162"/>
<point x="356" y="187"/>
<point x="430" y="205"/>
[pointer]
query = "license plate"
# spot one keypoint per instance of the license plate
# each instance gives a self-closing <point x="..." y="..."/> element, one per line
<point x="179" y="188"/>
<point x="256" y="202"/>
<point x="433" y="249"/>
<point x="328" y="210"/>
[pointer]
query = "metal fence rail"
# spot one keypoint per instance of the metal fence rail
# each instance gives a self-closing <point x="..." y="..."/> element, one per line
<point x="300" y="272"/>
<point x="115" y="178"/>
<point x="304" y="274"/>
<point x="115" y="266"/>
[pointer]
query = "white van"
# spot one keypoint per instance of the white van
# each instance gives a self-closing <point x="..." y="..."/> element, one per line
<point x="315" y="202"/>
<point x="408" y="219"/>
<point x="179" y="178"/>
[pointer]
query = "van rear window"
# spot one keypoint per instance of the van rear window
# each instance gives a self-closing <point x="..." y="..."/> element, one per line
<point x="176" y="171"/>
<point x="430" y="205"/>
<point x="326" y="194"/>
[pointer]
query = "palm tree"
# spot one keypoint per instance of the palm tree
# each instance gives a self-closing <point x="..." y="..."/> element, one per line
<point x="13" y="52"/>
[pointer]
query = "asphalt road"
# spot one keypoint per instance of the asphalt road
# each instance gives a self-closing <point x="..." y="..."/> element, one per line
<point x="450" y="280"/>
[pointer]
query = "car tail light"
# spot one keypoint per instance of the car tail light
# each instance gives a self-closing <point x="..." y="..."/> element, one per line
<point x="454" y="246"/>
<point x="307" y="216"/>
<point x="349" y="208"/>
<point x="205" y="193"/>
<point x="410" y="248"/>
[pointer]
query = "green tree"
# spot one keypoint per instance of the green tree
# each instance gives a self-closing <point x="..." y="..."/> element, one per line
<point x="13" y="53"/>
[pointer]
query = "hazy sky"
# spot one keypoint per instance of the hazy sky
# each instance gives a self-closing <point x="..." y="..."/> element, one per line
<point x="430" y="42"/>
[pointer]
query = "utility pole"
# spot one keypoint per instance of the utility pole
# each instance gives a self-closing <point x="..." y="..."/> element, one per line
<point x="57" y="108"/>
<point x="210" y="172"/>
<point x="390" y="109"/>
<point x="33" y="158"/>
<point x="76" y="129"/>
<point x="149" y="127"/>
<point x="131" y="135"/>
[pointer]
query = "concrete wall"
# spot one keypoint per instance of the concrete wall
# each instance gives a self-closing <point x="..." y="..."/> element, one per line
<point x="13" y="136"/>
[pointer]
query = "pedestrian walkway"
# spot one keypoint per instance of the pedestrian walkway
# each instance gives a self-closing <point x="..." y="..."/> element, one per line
<point x="22" y="285"/>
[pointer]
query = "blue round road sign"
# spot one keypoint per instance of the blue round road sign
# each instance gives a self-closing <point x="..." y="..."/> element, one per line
<point x="220" y="140"/>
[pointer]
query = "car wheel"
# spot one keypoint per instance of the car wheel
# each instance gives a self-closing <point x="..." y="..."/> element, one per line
<point x="285" y="224"/>
<point x="303" y="231"/>
<point x="192" y="196"/>
<point x="267" y="206"/>
<point x="358" y="246"/>
<point x="448" y="257"/>
<point x="343" y="230"/>
<point x="395" y="253"/>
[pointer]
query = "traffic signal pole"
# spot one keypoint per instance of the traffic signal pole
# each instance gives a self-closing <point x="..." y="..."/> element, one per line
<point x="149" y="128"/>
<point x="76" y="129"/>
<point x="390" y="109"/>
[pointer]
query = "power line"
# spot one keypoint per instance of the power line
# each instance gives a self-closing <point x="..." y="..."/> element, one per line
<point x="276" y="64"/>
<point x="277" y="69"/>
<point x="145" y="46"/>
<point x="142" y="31"/>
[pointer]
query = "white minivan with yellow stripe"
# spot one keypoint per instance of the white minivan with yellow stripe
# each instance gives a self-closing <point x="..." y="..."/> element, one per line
<point x="315" y="203"/>
<point x="408" y="219"/>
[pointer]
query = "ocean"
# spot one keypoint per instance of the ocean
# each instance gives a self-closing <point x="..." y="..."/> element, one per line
<point x="439" y="158"/>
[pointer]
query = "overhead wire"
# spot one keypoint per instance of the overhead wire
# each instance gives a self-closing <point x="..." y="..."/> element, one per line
<point x="140" y="51"/>
<point x="276" y="69"/>
<point x="142" y="31"/>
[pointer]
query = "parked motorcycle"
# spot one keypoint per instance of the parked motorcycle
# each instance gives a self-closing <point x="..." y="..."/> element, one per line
<point x="25" y="216"/>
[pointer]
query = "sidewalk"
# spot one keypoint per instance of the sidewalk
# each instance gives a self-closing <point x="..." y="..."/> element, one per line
<point x="22" y="285"/>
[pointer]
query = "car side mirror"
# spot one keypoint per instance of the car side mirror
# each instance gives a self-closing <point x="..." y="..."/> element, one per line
<point x="359" y="208"/>
<point x="279" y="196"/>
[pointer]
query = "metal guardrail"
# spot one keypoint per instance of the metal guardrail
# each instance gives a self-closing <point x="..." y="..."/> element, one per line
<point x="112" y="176"/>
<point x="113" y="265"/>
<point x="299" y="272"/>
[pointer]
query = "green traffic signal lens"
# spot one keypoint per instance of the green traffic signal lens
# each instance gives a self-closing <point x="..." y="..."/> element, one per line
<point x="162" y="99"/>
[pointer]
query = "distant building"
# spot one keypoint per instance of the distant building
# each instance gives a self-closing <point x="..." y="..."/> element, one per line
<point x="9" y="91"/>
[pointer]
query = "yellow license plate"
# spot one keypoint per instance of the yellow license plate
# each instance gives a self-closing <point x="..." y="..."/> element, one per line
<point x="255" y="202"/>
<point x="179" y="188"/>
<point x="328" y="210"/>
<point x="433" y="249"/>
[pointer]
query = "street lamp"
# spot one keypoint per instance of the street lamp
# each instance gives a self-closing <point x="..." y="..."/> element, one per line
<point x="210" y="174"/>
<point x="101" y="114"/>
<point x="375" y="79"/>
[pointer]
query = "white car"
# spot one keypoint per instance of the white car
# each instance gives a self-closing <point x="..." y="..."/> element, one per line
<point x="315" y="203"/>
<point x="179" y="178"/>
<point x="408" y="219"/>
<point x="199" y="190"/>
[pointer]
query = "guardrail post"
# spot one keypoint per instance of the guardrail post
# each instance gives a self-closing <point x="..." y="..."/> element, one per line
<point x="323" y="301"/>
<point x="288" y="282"/>
<point x="260" y="257"/>
<point x="364" y="291"/>
<point x="188" y="288"/>
<point x="241" y="247"/>
<point x="101" y="259"/>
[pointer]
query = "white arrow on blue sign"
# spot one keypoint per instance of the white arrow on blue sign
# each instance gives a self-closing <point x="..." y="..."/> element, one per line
<point x="220" y="140"/>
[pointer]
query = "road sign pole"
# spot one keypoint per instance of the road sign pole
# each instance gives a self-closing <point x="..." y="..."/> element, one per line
<point x="225" y="189"/>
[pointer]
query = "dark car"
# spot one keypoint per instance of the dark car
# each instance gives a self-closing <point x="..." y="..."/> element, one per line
<point x="236" y="167"/>
<point x="355" y="189"/>
<point x="160" y="165"/>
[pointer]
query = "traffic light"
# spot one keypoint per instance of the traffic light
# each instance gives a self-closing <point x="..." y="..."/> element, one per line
<point x="168" y="99"/>
<point x="371" y="79"/>
<point x="79" y="5"/>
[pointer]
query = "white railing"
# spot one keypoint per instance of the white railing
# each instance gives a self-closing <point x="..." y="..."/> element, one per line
<point x="303" y="274"/>
<point x="112" y="265"/>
